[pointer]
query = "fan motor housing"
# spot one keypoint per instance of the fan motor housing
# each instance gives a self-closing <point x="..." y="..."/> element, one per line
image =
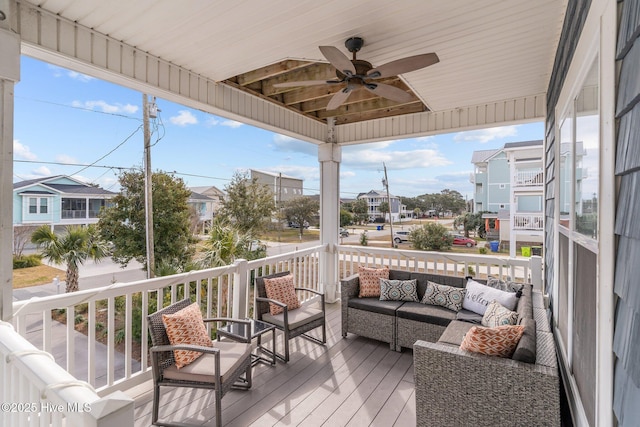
<point x="362" y="68"/>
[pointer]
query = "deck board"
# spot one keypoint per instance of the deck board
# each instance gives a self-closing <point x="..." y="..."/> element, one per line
<point x="348" y="382"/>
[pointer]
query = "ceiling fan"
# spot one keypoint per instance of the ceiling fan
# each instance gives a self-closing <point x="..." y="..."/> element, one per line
<point x="357" y="73"/>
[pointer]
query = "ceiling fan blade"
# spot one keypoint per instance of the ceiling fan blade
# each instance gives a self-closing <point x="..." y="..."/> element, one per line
<point x="389" y="92"/>
<point x="404" y="65"/>
<point x="305" y="83"/>
<point x="338" y="59"/>
<point x="339" y="98"/>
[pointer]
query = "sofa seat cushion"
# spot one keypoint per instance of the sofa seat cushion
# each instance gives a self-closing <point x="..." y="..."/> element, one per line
<point x="469" y="316"/>
<point x="375" y="305"/>
<point x="526" y="350"/>
<point x="426" y="313"/>
<point x="455" y="332"/>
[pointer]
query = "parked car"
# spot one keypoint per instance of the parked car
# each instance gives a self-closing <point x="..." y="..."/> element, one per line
<point x="343" y="232"/>
<point x="400" y="236"/>
<point x="463" y="241"/>
<point x="296" y="225"/>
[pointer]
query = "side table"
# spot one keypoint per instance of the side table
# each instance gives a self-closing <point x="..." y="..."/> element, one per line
<point x="238" y="332"/>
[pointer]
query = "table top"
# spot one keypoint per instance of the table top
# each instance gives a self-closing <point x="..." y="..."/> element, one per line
<point x="239" y="330"/>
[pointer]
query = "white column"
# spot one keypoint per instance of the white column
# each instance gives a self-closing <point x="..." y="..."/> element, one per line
<point x="329" y="156"/>
<point x="513" y="205"/>
<point x="9" y="75"/>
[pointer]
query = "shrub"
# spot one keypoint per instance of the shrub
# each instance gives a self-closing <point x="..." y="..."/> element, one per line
<point x="364" y="239"/>
<point x="483" y="251"/>
<point x="431" y="237"/>
<point x="26" y="261"/>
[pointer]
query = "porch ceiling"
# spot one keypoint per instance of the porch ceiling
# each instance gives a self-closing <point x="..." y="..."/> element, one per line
<point x="491" y="52"/>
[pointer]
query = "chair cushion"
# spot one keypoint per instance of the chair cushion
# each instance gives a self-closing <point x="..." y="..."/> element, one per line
<point x="398" y="290"/>
<point x="445" y="296"/>
<point x="426" y="313"/>
<point x="232" y="354"/>
<point x="375" y="305"/>
<point x="370" y="280"/>
<point x="455" y="332"/>
<point x="297" y="318"/>
<point x="186" y="327"/>
<point x="281" y="289"/>
<point x="500" y="341"/>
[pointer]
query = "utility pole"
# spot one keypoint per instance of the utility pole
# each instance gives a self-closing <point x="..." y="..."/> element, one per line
<point x="385" y="182"/>
<point x="148" y="199"/>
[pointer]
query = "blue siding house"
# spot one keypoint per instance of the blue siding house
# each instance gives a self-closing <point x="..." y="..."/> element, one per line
<point x="58" y="201"/>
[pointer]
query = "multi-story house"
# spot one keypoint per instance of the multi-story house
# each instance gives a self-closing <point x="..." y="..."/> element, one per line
<point x="206" y="200"/>
<point x="284" y="187"/>
<point x="375" y="198"/>
<point x="509" y="184"/>
<point x="58" y="201"/>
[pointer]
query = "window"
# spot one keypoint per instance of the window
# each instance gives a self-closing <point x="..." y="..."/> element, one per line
<point x="33" y="205"/>
<point x="43" y="206"/>
<point x="503" y="186"/>
<point x="502" y="206"/>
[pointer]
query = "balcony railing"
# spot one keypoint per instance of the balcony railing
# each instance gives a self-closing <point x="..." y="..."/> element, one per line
<point x="529" y="178"/>
<point x="528" y="222"/>
<point x="118" y="312"/>
<point x="74" y="214"/>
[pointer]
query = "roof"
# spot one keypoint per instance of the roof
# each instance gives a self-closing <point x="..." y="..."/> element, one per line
<point x="523" y="144"/>
<point x="276" y="175"/>
<point x="481" y="156"/>
<point x="198" y="196"/>
<point x="80" y="189"/>
<point x="29" y="182"/>
<point x="49" y="182"/>
<point x="492" y="58"/>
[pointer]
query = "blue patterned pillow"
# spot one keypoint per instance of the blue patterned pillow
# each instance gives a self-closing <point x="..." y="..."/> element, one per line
<point x="445" y="296"/>
<point x="398" y="290"/>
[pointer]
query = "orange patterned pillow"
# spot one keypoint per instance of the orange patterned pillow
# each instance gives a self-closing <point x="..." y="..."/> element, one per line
<point x="186" y="327"/>
<point x="370" y="280"/>
<point x="499" y="341"/>
<point x="281" y="289"/>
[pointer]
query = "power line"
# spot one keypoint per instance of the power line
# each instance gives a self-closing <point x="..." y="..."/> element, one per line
<point x="116" y="147"/>
<point x="91" y="110"/>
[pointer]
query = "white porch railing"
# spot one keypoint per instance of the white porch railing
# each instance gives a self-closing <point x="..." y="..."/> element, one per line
<point x="529" y="178"/>
<point x="444" y="263"/>
<point x="35" y="391"/>
<point x="528" y="221"/>
<point x="119" y="314"/>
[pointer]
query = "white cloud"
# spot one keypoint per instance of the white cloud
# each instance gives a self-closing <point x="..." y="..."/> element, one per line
<point x="21" y="151"/>
<point x="65" y="158"/>
<point x="364" y="158"/>
<point x="105" y="107"/>
<point x="184" y="118"/>
<point x="41" y="171"/>
<point x="231" y="123"/>
<point x="60" y="72"/>
<point x="485" y="135"/>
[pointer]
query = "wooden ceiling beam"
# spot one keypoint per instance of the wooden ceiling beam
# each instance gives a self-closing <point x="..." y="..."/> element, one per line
<point x="270" y="71"/>
<point x="311" y="72"/>
<point x="416" y="107"/>
<point x="376" y="103"/>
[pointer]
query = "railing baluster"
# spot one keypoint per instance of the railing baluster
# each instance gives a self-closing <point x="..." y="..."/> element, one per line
<point x="111" y="332"/>
<point x="71" y="366"/>
<point x="128" y="328"/>
<point x="144" y="296"/>
<point x="91" y="342"/>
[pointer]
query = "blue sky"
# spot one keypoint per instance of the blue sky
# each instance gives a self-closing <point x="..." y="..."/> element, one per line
<point x="65" y="119"/>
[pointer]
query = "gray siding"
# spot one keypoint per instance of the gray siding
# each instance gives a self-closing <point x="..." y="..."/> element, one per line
<point x="626" y="344"/>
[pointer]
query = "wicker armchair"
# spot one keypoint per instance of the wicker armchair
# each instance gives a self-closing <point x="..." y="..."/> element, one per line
<point x="220" y="367"/>
<point x="294" y="323"/>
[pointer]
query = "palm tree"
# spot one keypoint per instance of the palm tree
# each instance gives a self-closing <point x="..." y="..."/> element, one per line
<point x="72" y="248"/>
<point x="225" y="244"/>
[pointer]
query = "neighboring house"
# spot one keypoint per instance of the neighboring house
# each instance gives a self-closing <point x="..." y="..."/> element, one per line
<point x="207" y="201"/>
<point x="58" y="201"/>
<point x="284" y="187"/>
<point x="374" y="198"/>
<point x="509" y="182"/>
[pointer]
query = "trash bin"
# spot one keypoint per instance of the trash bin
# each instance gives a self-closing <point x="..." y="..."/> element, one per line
<point x="495" y="246"/>
<point x="536" y="250"/>
<point x="526" y="251"/>
<point x="378" y="227"/>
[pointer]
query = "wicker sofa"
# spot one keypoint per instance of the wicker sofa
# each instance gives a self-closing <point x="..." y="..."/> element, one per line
<point x="455" y="387"/>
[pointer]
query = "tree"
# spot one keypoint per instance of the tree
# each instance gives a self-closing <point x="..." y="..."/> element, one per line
<point x="225" y="244"/>
<point x="21" y="235"/>
<point x="360" y="210"/>
<point x="417" y="212"/>
<point x="249" y="205"/>
<point x="72" y="248"/>
<point x="384" y="209"/>
<point x="346" y="218"/>
<point x="123" y="223"/>
<point x="300" y="210"/>
<point x="431" y="236"/>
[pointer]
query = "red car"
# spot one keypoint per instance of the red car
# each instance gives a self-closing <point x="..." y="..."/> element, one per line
<point x="464" y="241"/>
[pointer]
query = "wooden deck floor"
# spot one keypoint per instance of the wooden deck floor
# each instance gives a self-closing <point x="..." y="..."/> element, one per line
<point x="348" y="382"/>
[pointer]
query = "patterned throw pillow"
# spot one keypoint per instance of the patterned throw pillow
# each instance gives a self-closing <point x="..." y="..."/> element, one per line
<point x="398" y="290"/>
<point x="478" y="296"/>
<point x="498" y="315"/>
<point x="281" y="289"/>
<point x="370" y="280"/>
<point x="505" y="285"/>
<point x="500" y="341"/>
<point x="186" y="327"/>
<point x="445" y="296"/>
